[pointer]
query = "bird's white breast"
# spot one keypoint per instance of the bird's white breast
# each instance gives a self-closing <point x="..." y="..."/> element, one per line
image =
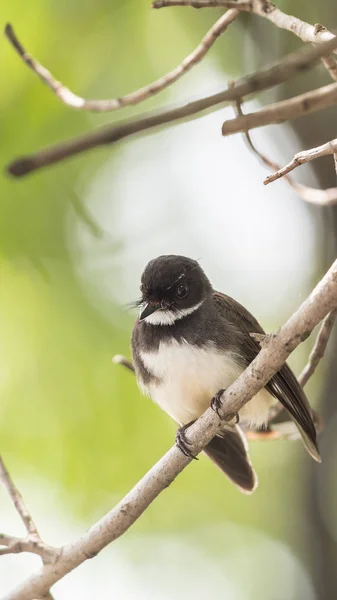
<point x="187" y="377"/>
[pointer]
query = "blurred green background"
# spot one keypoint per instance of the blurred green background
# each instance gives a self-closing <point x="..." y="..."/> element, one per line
<point x="75" y="432"/>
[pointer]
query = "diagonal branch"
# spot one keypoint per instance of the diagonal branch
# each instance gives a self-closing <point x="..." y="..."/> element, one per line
<point x="17" y="500"/>
<point x="303" y="157"/>
<point x="272" y="356"/>
<point x="239" y="4"/>
<point x="308" y="194"/>
<point x="68" y="97"/>
<point x="284" y="110"/>
<point x="260" y="80"/>
<point x="264" y="8"/>
<point x="16" y="545"/>
<point x="319" y="348"/>
<point x="32" y="542"/>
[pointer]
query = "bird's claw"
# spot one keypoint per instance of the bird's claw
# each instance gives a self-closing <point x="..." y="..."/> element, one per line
<point x="182" y="442"/>
<point x="216" y="404"/>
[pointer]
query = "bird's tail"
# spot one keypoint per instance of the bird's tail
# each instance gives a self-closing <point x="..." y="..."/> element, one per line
<point x="229" y="451"/>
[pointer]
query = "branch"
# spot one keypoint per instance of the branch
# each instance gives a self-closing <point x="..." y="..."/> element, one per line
<point x="272" y="356"/>
<point x="118" y="359"/>
<point x="15" y="545"/>
<point x="17" y="500"/>
<point x="308" y="194"/>
<point x="70" y="99"/>
<point x="266" y="9"/>
<point x="260" y="80"/>
<point x="303" y="157"/>
<point x="284" y="110"/>
<point x="239" y="4"/>
<point x="32" y="542"/>
<point x="319" y="348"/>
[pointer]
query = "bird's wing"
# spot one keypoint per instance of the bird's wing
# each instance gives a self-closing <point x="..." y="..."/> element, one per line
<point x="284" y="385"/>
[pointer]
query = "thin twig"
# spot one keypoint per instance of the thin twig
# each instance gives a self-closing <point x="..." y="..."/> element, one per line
<point x="74" y="101"/>
<point x="266" y="9"/>
<point x="321" y="301"/>
<point x="303" y="157"/>
<point x="284" y="110"/>
<point x="239" y="4"/>
<point x="308" y="194"/>
<point x="32" y="542"/>
<point x="319" y="348"/>
<point x="118" y="359"/>
<point x="258" y="81"/>
<point x="17" y="500"/>
<point x="15" y="545"/>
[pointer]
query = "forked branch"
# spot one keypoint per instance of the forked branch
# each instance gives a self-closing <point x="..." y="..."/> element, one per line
<point x="303" y="157"/>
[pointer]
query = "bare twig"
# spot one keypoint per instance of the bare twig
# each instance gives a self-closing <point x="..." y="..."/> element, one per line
<point x="303" y="157"/>
<point x="15" y="545"/>
<point x="118" y="359"/>
<point x="261" y="80"/>
<point x="71" y="99"/>
<point x="239" y="4"/>
<point x="17" y="500"/>
<point x="32" y="542"/>
<point x="285" y="110"/>
<point x="308" y="194"/>
<point x="321" y="301"/>
<point x="319" y="348"/>
<point x="266" y="9"/>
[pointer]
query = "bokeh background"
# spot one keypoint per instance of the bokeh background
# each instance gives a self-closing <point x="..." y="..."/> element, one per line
<point x="75" y="431"/>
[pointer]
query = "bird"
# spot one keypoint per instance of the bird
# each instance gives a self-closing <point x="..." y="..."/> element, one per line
<point x="190" y="343"/>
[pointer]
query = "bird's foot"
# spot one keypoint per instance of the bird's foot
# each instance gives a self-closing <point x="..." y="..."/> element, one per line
<point x="216" y="404"/>
<point x="182" y="442"/>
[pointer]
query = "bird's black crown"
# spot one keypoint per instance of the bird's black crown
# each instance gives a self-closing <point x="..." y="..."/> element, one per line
<point x="174" y="282"/>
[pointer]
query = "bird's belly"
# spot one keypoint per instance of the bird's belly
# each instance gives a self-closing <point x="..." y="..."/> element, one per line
<point x="186" y="377"/>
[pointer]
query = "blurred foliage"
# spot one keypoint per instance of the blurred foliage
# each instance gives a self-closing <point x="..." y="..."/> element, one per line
<point x="67" y="414"/>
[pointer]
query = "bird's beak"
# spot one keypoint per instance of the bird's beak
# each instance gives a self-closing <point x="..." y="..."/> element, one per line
<point x="147" y="309"/>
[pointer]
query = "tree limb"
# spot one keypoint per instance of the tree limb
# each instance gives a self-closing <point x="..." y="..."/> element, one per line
<point x="284" y="110"/>
<point x="308" y="194"/>
<point x="319" y="348"/>
<point x="272" y="356"/>
<point x="238" y="4"/>
<point x="15" y="545"/>
<point x="17" y="500"/>
<point x="70" y="99"/>
<point x="266" y="9"/>
<point x="303" y="157"/>
<point x="260" y="80"/>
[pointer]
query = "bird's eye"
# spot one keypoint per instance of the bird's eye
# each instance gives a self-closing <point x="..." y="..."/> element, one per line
<point x="181" y="291"/>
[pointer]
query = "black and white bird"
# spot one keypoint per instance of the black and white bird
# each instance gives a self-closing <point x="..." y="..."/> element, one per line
<point x="191" y="341"/>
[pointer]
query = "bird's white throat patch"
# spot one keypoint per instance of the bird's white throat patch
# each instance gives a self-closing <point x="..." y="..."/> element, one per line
<point x="169" y="317"/>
